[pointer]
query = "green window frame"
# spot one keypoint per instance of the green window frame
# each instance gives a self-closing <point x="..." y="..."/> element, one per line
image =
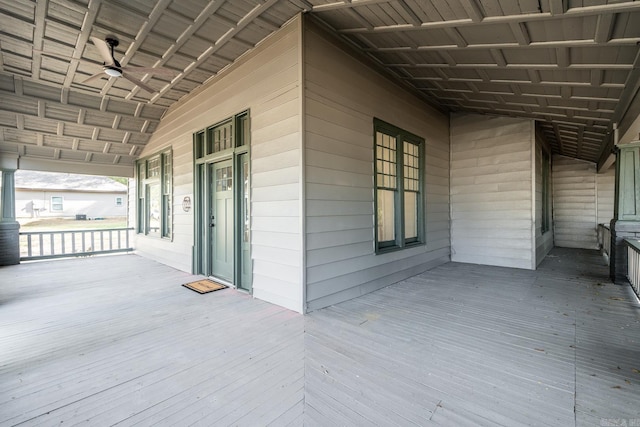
<point x="154" y="188"/>
<point x="399" y="183"/>
<point x="546" y="193"/>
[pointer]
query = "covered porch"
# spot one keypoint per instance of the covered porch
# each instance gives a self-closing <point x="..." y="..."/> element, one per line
<point x="107" y="341"/>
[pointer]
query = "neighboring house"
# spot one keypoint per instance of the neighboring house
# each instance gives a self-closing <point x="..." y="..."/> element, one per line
<point x="65" y="195"/>
<point x="314" y="179"/>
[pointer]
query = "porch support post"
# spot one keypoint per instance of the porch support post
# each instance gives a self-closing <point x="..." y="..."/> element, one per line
<point x="626" y="217"/>
<point x="9" y="227"/>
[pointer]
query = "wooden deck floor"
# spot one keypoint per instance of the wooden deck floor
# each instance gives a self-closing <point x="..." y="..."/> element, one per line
<point x="476" y="345"/>
<point x="116" y="340"/>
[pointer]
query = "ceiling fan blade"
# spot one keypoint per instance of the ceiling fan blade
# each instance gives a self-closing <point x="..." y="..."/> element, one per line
<point x="138" y="82"/>
<point x="150" y="70"/>
<point x="104" y="50"/>
<point x="95" y="77"/>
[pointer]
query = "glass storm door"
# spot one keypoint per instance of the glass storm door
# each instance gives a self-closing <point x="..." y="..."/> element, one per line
<point x="221" y="220"/>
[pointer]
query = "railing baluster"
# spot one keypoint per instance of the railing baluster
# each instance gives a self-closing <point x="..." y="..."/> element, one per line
<point x="633" y="264"/>
<point x="58" y="250"/>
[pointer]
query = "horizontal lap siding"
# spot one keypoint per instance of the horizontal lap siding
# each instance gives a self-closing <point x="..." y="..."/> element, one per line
<point x="605" y="184"/>
<point x="266" y="81"/>
<point x="574" y="203"/>
<point x="342" y="98"/>
<point x="491" y="190"/>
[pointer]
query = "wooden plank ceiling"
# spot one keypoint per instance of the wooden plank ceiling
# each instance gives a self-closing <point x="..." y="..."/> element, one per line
<point x="573" y="65"/>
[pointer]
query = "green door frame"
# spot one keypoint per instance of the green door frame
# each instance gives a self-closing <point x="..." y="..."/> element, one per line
<point x="203" y="158"/>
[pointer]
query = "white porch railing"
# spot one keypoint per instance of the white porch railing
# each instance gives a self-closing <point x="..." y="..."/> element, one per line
<point x="72" y="243"/>
<point x="633" y="264"/>
<point x="604" y="240"/>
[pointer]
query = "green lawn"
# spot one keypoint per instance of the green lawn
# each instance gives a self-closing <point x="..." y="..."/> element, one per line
<point x="60" y="224"/>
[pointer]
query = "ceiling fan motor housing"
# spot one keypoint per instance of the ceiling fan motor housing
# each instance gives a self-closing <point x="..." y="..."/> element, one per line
<point x="113" y="71"/>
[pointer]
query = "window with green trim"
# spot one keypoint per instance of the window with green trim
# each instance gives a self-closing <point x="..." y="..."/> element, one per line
<point x="154" y="195"/>
<point x="399" y="198"/>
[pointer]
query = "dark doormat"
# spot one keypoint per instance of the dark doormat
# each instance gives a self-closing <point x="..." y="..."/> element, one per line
<point x="204" y="286"/>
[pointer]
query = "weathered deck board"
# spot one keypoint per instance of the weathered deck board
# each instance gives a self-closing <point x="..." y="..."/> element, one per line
<point x="476" y="345"/>
<point x="110" y="340"/>
<point x="117" y="341"/>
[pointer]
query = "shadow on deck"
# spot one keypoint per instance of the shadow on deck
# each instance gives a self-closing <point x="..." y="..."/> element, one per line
<point x="116" y="340"/>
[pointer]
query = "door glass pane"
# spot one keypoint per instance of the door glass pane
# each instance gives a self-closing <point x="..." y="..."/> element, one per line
<point x="410" y="215"/>
<point x="224" y="180"/>
<point x="386" y="216"/>
<point x="245" y="199"/>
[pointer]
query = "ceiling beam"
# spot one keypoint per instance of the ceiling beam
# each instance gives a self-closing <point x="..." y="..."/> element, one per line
<point x="40" y="113"/>
<point x="628" y="6"/>
<point x="343" y="5"/>
<point x="582" y="43"/>
<point x="411" y="15"/>
<point x="85" y="32"/>
<point x="604" y="26"/>
<point x="184" y="37"/>
<point x="557" y="7"/>
<point x="473" y="10"/>
<point x="246" y="20"/>
<point x="485" y="66"/>
<point x="39" y="140"/>
<point x="38" y="35"/>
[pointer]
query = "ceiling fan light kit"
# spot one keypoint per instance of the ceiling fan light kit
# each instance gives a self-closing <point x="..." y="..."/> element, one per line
<point x="113" y="71"/>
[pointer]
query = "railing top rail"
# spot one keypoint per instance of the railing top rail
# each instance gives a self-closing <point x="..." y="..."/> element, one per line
<point x="635" y="244"/>
<point x="24" y="233"/>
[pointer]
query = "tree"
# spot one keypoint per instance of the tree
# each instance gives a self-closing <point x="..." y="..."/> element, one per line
<point x="120" y="179"/>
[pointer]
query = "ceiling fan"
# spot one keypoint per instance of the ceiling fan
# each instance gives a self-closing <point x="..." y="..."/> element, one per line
<point x="112" y="68"/>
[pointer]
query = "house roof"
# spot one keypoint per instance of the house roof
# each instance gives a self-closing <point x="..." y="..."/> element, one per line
<point x="33" y="180"/>
<point x="572" y="65"/>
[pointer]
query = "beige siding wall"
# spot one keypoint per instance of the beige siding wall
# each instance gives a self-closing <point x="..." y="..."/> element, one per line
<point x="574" y="203"/>
<point x="342" y="98"/>
<point x="605" y="190"/>
<point x="492" y="190"/>
<point x="266" y="81"/>
<point x="544" y="242"/>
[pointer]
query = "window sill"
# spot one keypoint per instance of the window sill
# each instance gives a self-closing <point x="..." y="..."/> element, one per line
<point x="381" y="251"/>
